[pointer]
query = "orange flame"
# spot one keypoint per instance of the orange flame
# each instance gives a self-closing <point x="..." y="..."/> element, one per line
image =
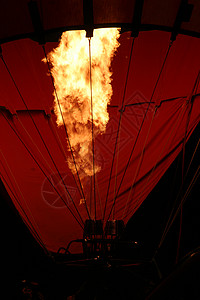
<point x="71" y="73"/>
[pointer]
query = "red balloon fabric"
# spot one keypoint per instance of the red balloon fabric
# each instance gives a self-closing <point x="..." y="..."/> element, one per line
<point x="160" y="110"/>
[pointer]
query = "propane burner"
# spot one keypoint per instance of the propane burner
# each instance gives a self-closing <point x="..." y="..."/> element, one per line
<point x="99" y="239"/>
<point x="94" y="228"/>
<point x="102" y="241"/>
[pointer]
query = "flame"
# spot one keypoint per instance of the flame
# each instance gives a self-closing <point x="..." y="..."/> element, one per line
<point x="70" y="67"/>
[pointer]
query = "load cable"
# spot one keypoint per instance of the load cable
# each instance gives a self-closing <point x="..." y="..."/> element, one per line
<point x="184" y="198"/>
<point x="153" y="169"/>
<point x="18" y="136"/>
<point x="118" y="129"/>
<point x="183" y="108"/>
<point x="138" y="166"/>
<point x="40" y="135"/>
<point x="173" y="214"/>
<point x="141" y="126"/>
<point x="191" y="103"/>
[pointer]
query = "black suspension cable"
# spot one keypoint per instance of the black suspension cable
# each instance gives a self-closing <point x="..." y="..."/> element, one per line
<point x="32" y="156"/>
<point x="148" y="175"/>
<point x="195" y="150"/>
<point x="158" y="158"/>
<point x="92" y="119"/>
<point x="100" y="202"/>
<point x="191" y="103"/>
<point x="184" y="198"/>
<point x="191" y="99"/>
<point x="40" y="136"/>
<point x="138" y="167"/>
<point x="167" y="227"/>
<point x="66" y="132"/>
<point x="118" y="129"/>
<point x="149" y="103"/>
<point x="179" y="195"/>
<point x="180" y="114"/>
